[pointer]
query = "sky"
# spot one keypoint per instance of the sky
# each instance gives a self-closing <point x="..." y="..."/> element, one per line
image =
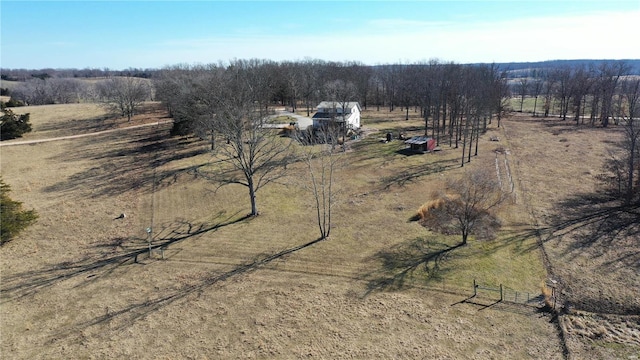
<point x="153" y="34"/>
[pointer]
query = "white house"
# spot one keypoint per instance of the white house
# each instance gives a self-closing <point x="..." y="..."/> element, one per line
<point x="331" y="112"/>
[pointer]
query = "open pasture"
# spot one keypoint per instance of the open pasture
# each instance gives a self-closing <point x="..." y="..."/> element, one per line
<point x="79" y="283"/>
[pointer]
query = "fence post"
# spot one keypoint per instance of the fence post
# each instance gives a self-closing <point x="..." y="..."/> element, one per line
<point x="475" y="288"/>
<point x="501" y="293"/>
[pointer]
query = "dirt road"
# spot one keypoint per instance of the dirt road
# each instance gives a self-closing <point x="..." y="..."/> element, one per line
<point x="36" y="141"/>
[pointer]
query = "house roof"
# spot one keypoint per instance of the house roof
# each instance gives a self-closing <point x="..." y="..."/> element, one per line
<point x="337" y="104"/>
<point x="327" y="116"/>
<point x="418" y="140"/>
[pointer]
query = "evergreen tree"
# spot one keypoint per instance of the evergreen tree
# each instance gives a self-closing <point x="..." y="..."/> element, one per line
<point x="12" y="218"/>
<point x="13" y="126"/>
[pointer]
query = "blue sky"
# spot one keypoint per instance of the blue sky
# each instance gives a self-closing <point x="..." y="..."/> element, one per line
<point x="153" y="34"/>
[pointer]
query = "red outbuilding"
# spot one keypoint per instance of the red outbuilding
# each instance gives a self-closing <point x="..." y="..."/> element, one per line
<point x="421" y="144"/>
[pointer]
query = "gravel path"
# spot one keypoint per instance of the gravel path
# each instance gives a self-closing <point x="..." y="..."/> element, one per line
<point x="303" y="121"/>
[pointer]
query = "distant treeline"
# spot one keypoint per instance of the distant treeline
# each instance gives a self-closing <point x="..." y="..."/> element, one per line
<point x="43" y="74"/>
<point x="523" y="69"/>
<point x="513" y="69"/>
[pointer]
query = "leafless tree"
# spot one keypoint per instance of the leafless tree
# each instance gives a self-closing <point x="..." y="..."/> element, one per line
<point x="631" y="146"/>
<point x="536" y="89"/>
<point x="580" y="85"/>
<point x="607" y="81"/>
<point x="252" y="156"/>
<point x="499" y="92"/>
<point x="562" y="79"/>
<point x="67" y="90"/>
<point x="310" y="74"/>
<point x="467" y="207"/>
<point x="361" y="77"/>
<point x="522" y="87"/>
<point x="323" y="161"/>
<point x="549" y="86"/>
<point x="35" y="91"/>
<point x="124" y="95"/>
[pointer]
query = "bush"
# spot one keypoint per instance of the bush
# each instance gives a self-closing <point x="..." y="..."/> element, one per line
<point x="11" y="103"/>
<point x="12" y="218"/>
<point x="13" y="126"/>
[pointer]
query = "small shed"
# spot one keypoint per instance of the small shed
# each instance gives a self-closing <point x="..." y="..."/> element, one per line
<point x="421" y="144"/>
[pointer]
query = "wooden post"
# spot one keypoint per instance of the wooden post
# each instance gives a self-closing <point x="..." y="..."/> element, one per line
<point x="501" y="293"/>
<point x="475" y="288"/>
<point x="149" y="240"/>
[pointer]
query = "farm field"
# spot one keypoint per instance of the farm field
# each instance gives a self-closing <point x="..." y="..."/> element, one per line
<point x="228" y="286"/>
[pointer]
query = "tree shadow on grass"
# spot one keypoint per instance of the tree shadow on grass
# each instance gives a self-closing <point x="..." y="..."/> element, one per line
<point x="102" y="263"/>
<point x="133" y="163"/>
<point x="605" y="230"/>
<point x="398" y="265"/>
<point x="602" y="225"/>
<point x="126" y="316"/>
<point x="84" y="126"/>
<point x="415" y="172"/>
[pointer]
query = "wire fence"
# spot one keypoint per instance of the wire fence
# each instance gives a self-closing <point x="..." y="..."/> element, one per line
<point x="505" y="294"/>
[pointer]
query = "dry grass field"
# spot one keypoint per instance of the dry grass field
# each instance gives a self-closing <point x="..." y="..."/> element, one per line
<point x="236" y="287"/>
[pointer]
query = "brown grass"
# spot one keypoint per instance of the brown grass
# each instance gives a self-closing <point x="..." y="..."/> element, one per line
<point x="557" y="176"/>
<point x="58" y="120"/>
<point x="69" y="289"/>
<point x="426" y="208"/>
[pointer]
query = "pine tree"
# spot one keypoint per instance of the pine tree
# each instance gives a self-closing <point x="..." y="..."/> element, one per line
<point x="12" y="218"/>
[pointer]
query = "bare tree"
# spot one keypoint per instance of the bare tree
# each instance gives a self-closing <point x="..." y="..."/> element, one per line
<point x="523" y="89"/>
<point x="608" y="77"/>
<point x="124" y="95"/>
<point x="35" y="91"/>
<point x="252" y="156"/>
<point x="536" y="90"/>
<point x="309" y="82"/>
<point x="562" y="77"/>
<point x="67" y="90"/>
<point x="549" y="87"/>
<point x="500" y="92"/>
<point x="580" y="84"/>
<point x="322" y="162"/>
<point x="631" y="91"/>
<point x="467" y="207"/>
<point x="361" y="76"/>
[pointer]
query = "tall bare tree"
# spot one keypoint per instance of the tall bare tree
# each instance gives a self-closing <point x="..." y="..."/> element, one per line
<point x="323" y="161"/>
<point x="580" y="85"/>
<point x="536" y="89"/>
<point x="631" y="92"/>
<point x="252" y="156"/>
<point x="124" y="95"/>
<point x="607" y="81"/>
<point x="522" y="86"/>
